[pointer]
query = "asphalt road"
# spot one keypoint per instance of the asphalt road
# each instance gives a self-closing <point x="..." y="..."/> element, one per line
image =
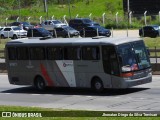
<point x="140" y="98"/>
<point x="125" y="33"/>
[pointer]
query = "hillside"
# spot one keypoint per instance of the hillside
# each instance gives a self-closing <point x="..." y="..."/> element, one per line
<point x="58" y="8"/>
<point x="81" y="7"/>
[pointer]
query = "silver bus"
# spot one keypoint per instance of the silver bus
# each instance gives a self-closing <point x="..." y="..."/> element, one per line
<point x="96" y="63"/>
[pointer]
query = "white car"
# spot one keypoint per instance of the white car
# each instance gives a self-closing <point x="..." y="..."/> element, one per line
<point x="12" y="32"/>
<point x="51" y="24"/>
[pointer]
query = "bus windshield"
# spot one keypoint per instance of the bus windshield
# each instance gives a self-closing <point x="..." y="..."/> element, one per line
<point x="133" y="56"/>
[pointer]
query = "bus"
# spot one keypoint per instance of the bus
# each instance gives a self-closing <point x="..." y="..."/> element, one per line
<point x="95" y="63"/>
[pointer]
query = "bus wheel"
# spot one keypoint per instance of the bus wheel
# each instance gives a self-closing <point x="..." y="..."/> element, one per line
<point x="97" y="85"/>
<point x="40" y="84"/>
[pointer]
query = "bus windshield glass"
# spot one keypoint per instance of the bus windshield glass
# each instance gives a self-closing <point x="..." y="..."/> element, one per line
<point x="133" y="56"/>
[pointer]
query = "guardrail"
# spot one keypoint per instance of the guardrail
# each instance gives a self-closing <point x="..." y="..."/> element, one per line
<point x="155" y="53"/>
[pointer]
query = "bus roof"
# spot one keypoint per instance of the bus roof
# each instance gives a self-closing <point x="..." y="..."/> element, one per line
<point x="74" y="41"/>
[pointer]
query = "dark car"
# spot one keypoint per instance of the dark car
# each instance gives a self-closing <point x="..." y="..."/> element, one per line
<point x="93" y="31"/>
<point x="80" y="23"/>
<point x="39" y="32"/>
<point x="65" y="31"/>
<point x="149" y="31"/>
<point x="25" y="25"/>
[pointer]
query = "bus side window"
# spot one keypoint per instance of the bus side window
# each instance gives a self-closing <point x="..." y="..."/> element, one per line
<point x="95" y="53"/>
<point x="12" y="53"/>
<point x="22" y="53"/>
<point x="72" y="53"/>
<point x="55" y="53"/>
<point x="90" y="53"/>
<point x="37" y="53"/>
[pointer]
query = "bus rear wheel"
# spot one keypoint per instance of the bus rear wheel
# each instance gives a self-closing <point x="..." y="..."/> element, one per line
<point x="40" y="84"/>
<point x="97" y="85"/>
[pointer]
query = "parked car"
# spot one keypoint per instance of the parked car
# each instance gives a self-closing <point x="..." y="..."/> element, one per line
<point x="25" y="25"/>
<point x="51" y="24"/>
<point x="92" y="31"/>
<point x="12" y="32"/>
<point x="1" y="28"/>
<point x="80" y="23"/>
<point x="149" y="31"/>
<point x="65" y="31"/>
<point x="38" y="32"/>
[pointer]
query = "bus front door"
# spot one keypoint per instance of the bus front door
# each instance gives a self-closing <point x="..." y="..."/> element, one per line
<point x="110" y="62"/>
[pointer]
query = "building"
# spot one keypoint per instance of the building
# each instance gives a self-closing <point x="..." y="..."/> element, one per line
<point x="138" y="7"/>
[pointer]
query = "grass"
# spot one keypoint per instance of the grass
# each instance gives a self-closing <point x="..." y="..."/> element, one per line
<point x="3" y="42"/>
<point x="96" y="7"/>
<point x="152" y="42"/>
<point x="67" y="113"/>
<point x="2" y="46"/>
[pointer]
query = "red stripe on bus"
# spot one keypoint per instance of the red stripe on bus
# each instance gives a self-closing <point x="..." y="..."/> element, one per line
<point x="46" y="76"/>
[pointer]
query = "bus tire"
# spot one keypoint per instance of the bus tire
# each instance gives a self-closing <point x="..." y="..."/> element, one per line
<point x="97" y="84"/>
<point x="40" y="83"/>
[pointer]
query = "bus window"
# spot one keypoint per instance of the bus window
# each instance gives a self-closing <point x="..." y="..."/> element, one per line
<point x="141" y="55"/>
<point x="72" y="53"/>
<point x="90" y="53"/>
<point x="55" y="53"/>
<point x="22" y="53"/>
<point x="128" y="61"/>
<point x="37" y="53"/>
<point x="12" y="53"/>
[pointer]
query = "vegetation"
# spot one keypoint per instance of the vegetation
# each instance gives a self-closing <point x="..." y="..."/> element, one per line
<point x="152" y="42"/>
<point x="11" y="9"/>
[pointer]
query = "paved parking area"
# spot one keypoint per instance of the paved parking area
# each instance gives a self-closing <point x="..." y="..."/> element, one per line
<point x="125" y="33"/>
